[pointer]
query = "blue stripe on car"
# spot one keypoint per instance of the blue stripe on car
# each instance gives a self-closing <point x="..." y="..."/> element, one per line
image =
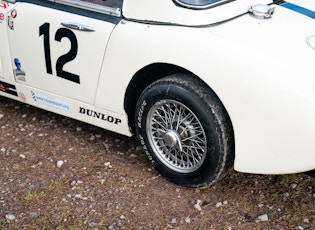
<point x="300" y="9"/>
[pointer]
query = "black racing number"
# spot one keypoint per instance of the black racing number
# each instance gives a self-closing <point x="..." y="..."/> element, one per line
<point x="44" y="30"/>
<point x="64" y="59"/>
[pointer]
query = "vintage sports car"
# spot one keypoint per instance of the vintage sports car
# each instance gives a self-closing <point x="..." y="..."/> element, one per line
<point x="204" y="84"/>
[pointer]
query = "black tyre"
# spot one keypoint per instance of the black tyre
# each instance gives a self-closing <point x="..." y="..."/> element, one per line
<point x="310" y="173"/>
<point x="185" y="131"/>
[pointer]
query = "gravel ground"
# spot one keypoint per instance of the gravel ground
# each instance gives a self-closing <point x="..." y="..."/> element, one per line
<point x="58" y="173"/>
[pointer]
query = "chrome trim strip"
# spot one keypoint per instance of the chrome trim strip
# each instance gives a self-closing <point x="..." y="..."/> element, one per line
<point x="90" y="6"/>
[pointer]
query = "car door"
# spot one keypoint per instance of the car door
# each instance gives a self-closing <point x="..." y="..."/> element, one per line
<point x="58" y="46"/>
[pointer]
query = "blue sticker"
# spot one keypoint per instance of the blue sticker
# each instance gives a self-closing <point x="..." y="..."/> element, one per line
<point x="18" y="72"/>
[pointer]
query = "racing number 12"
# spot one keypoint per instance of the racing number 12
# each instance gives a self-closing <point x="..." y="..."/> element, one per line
<point x="64" y="59"/>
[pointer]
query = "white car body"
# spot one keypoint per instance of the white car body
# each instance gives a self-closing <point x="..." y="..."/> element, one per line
<point x="261" y="69"/>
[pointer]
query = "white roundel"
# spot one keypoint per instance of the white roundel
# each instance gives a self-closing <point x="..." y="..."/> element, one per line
<point x="311" y="41"/>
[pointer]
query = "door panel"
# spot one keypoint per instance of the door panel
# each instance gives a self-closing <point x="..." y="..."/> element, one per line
<point x="58" y="51"/>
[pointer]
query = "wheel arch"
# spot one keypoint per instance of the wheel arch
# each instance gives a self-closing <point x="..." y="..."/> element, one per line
<point x="141" y="80"/>
<point x="148" y="75"/>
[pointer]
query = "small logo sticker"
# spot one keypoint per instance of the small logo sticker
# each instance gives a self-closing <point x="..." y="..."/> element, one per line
<point x="3" y="4"/>
<point x="22" y="97"/>
<point x="39" y="98"/>
<point x="11" y="16"/>
<point x="18" y="72"/>
<point x="1" y="17"/>
<point x="13" y="13"/>
<point x="10" y="23"/>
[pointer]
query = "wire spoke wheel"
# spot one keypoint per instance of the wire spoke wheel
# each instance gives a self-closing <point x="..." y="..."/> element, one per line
<point x="185" y="131"/>
<point x="177" y="136"/>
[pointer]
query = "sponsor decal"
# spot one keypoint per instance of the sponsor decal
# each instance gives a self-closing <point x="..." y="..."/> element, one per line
<point x="1" y="17"/>
<point x="50" y="101"/>
<point x="10" y="23"/>
<point x="22" y="97"/>
<point x="13" y="13"/>
<point x="3" y="4"/>
<point x="8" y="88"/>
<point x="100" y="116"/>
<point x="18" y="72"/>
<point x="11" y="16"/>
<point x="299" y="9"/>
